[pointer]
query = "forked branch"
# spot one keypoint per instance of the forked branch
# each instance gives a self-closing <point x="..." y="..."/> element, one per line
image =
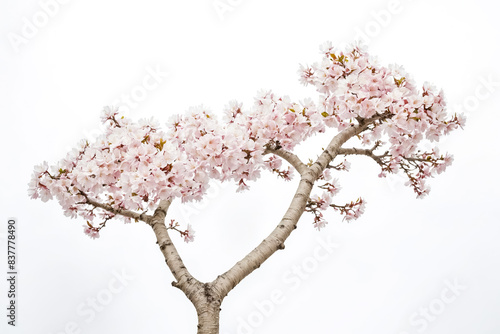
<point x="367" y="152"/>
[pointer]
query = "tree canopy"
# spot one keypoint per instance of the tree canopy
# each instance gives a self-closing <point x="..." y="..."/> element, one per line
<point x="133" y="166"/>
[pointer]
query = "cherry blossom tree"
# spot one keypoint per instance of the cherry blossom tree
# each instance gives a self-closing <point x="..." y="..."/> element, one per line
<point x="134" y="170"/>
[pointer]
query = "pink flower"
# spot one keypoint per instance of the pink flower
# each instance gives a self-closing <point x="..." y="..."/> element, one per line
<point x="327" y="175"/>
<point x="319" y="223"/>
<point x="189" y="234"/>
<point x="325" y="201"/>
<point x="108" y="113"/>
<point x="242" y="186"/>
<point x="91" y="232"/>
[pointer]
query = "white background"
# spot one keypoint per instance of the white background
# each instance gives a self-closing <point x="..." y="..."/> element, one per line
<point x="386" y="268"/>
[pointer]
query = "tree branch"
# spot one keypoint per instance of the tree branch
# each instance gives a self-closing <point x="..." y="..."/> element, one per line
<point x="226" y="282"/>
<point x="184" y="280"/>
<point x="117" y="211"/>
<point x="205" y="300"/>
<point x="291" y="158"/>
<point x="367" y="152"/>
<point x="335" y="146"/>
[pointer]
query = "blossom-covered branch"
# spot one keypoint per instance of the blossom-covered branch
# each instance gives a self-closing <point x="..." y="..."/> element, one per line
<point x="117" y="211"/>
<point x="350" y="211"/>
<point x="417" y="167"/>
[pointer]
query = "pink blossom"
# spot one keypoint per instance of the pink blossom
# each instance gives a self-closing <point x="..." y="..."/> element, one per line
<point x="189" y="234"/>
<point x="108" y="113"/>
<point x="93" y="233"/>
<point x="319" y="223"/>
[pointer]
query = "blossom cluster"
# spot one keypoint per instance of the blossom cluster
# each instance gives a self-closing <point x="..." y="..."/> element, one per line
<point x="330" y="186"/>
<point x="354" y="88"/>
<point x="134" y="165"/>
<point x="188" y="233"/>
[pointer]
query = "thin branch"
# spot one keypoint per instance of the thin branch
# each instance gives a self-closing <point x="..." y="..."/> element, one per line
<point x="367" y="152"/>
<point x="116" y="211"/>
<point x="413" y="159"/>
<point x="379" y="158"/>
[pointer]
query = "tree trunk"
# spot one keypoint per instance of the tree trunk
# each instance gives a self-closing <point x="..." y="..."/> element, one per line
<point x="208" y="318"/>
